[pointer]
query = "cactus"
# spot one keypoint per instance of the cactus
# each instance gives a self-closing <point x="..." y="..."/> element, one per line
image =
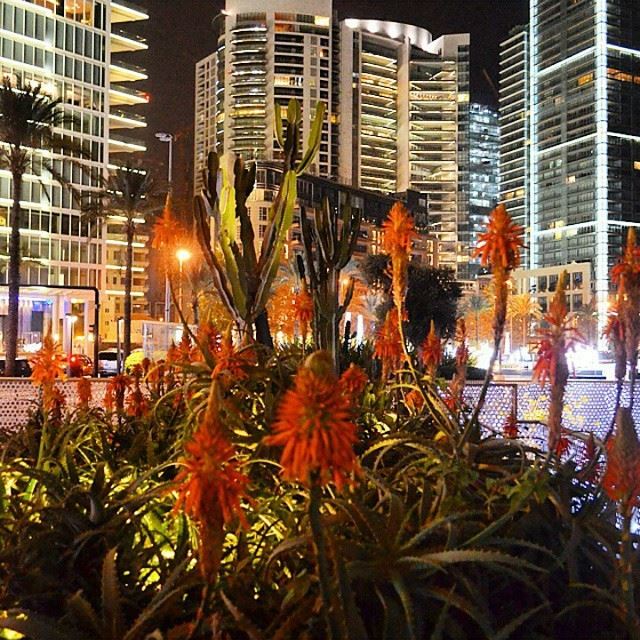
<point x="328" y="246"/>
<point x="242" y="277"/>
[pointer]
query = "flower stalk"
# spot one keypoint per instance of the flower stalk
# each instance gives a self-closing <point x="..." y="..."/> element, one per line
<point x="499" y="248"/>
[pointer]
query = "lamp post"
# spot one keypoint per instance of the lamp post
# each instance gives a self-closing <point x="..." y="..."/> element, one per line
<point x="169" y="138"/>
<point x="71" y="320"/>
<point x="183" y="255"/>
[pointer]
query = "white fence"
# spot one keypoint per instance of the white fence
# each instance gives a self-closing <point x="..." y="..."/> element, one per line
<point x="589" y="404"/>
<point x="19" y="396"/>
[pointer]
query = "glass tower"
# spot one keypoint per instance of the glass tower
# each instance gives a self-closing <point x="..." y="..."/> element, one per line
<point x="514" y="129"/>
<point x="484" y="148"/>
<point x="70" y="48"/>
<point x="397" y="102"/>
<point x="585" y="132"/>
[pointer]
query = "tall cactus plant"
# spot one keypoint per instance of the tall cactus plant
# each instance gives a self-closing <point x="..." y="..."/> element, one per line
<point x="329" y="242"/>
<point x="242" y="276"/>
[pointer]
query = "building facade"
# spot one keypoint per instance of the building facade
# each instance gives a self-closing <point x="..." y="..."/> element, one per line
<point x="484" y="149"/>
<point x="582" y="172"/>
<point x="514" y="121"/>
<point x="397" y="102"/>
<point x="71" y="49"/>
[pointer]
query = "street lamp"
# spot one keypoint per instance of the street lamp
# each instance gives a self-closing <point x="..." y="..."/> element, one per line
<point x="183" y="255"/>
<point x="71" y="320"/>
<point x="167" y="137"/>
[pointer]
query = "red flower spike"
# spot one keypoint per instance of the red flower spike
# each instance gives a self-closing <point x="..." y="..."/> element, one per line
<point x="388" y="343"/>
<point x="432" y="351"/>
<point x="500" y="245"/>
<point x="314" y="426"/>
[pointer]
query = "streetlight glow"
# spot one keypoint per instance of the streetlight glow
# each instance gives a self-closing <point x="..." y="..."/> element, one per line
<point x="183" y="255"/>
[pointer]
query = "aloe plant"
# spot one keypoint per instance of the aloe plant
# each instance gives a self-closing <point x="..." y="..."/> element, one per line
<point x="328" y="246"/>
<point x="242" y="276"/>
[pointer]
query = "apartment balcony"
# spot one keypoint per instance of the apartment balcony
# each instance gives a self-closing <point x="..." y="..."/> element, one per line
<point x="125" y="72"/>
<point x="124" y="144"/>
<point x="123" y="120"/>
<point x="120" y="95"/>
<point x="127" y="42"/>
<point x="125" y="11"/>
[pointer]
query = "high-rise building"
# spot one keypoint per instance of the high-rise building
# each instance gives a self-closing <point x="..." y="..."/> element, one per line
<point x="71" y="48"/>
<point x="583" y="181"/>
<point x="396" y="101"/>
<point x="514" y="128"/>
<point x="484" y="148"/>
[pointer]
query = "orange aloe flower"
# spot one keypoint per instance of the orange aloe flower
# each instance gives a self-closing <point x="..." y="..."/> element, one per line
<point x="304" y="309"/>
<point x="209" y="337"/>
<point x="388" y="344"/>
<point x="456" y="389"/>
<point x="626" y="274"/>
<point x="116" y="391"/>
<point x="353" y="381"/>
<point x="232" y="362"/>
<point x="211" y="486"/>
<point x="553" y="344"/>
<point x="627" y="268"/>
<point x="137" y="403"/>
<point x="48" y="365"/>
<point x="499" y="246"/>
<point x="432" y="351"/>
<point x="415" y="400"/>
<point x="621" y="478"/>
<point x="399" y="232"/>
<point x="84" y="392"/>
<point x="314" y="425"/>
<point x="615" y="333"/>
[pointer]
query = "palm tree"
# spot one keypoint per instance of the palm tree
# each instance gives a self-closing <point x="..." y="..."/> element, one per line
<point x="476" y="303"/>
<point x="28" y="123"/>
<point x="523" y="307"/>
<point x="124" y="199"/>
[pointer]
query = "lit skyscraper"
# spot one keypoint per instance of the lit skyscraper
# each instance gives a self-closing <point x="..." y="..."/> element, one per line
<point x="582" y="181"/>
<point x="484" y="146"/>
<point x="70" y="48"/>
<point x="514" y="128"/>
<point x="397" y="102"/>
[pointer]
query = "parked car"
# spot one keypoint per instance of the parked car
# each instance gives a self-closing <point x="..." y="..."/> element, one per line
<point x="80" y="365"/>
<point x="108" y="363"/>
<point x="23" y="368"/>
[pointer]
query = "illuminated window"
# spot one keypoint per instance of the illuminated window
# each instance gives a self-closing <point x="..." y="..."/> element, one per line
<point x="321" y="21"/>
<point x="585" y="79"/>
<point x="636" y="165"/>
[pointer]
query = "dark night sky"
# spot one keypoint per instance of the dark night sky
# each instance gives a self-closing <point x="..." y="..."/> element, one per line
<point x="179" y="34"/>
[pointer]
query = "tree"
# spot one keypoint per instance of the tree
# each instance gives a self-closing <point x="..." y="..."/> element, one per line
<point x="522" y="307"/>
<point x="432" y="294"/>
<point x="125" y="200"/>
<point x="28" y="123"/>
<point x="475" y="304"/>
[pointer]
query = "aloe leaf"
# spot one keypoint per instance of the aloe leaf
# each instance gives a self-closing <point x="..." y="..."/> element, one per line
<point x="112" y="617"/>
<point x="243" y="622"/>
<point x="516" y="623"/>
<point x="455" y="556"/>
<point x="451" y="599"/>
<point x="407" y="605"/>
